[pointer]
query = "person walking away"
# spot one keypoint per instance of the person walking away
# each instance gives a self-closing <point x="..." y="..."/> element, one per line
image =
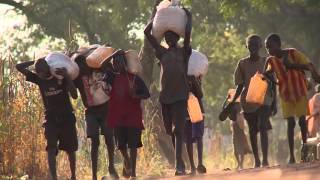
<point x="60" y="122"/>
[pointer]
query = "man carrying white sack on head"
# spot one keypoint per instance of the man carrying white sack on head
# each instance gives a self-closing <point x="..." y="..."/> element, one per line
<point x="174" y="84"/>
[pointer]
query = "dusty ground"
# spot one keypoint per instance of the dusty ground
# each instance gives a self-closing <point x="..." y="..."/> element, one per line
<point x="307" y="171"/>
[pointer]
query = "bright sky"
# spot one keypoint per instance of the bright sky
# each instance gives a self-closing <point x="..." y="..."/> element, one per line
<point x="9" y="19"/>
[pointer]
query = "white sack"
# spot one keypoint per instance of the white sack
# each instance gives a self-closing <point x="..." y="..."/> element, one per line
<point x="198" y="64"/>
<point x="59" y="60"/>
<point x="172" y="18"/>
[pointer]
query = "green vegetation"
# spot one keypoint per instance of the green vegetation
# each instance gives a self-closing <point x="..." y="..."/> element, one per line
<point x="219" y="30"/>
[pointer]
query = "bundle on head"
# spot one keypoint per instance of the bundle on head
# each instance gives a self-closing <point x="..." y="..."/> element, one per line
<point x="58" y="60"/>
<point x="96" y="58"/>
<point x="169" y="17"/>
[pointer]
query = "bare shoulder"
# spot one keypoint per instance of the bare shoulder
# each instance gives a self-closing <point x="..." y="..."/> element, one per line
<point x="244" y="60"/>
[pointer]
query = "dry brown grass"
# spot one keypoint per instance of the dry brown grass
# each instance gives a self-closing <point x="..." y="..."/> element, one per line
<point x="22" y="142"/>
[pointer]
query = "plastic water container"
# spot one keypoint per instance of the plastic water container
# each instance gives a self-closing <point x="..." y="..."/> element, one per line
<point x="257" y="89"/>
<point x="84" y="50"/>
<point x="59" y="60"/>
<point x="95" y="59"/>
<point x="194" y="109"/>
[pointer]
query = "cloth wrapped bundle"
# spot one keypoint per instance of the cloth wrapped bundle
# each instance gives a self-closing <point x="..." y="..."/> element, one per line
<point x="95" y="59"/>
<point x="169" y="17"/>
<point x="59" y="60"/>
<point x="133" y="62"/>
<point x="198" y="64"/>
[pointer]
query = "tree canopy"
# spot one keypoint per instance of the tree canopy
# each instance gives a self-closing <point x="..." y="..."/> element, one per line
<point x="219" y="28"/>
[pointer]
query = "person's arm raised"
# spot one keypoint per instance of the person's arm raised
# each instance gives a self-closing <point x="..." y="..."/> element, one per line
<point x="188" y="29"/>
<point x="152" y="40"/>
<point x="22" y="67"/>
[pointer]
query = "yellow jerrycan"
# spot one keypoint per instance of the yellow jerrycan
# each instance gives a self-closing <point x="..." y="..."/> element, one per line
<point x="257" y="89"/>
<point x="194" y="109"/>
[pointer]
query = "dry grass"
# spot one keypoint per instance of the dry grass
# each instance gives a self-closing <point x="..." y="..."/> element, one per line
<point x="22" y="142"/>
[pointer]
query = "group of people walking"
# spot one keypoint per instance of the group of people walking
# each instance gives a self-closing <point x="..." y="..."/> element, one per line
<point x="117" y="112"/>
<point x="284" y="68"/>
<point x="112" y="99"/>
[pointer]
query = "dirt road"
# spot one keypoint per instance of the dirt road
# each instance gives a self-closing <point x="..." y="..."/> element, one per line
<point x="308" y="171"/>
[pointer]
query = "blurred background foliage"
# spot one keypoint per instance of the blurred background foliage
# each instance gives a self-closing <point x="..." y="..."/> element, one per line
<point x="30" y="27"/>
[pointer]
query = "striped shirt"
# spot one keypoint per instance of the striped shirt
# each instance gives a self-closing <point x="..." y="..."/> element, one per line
<point x="292" y="83"/>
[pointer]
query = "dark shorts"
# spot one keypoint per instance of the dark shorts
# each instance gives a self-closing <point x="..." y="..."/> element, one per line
<point x="193" y="131"/>
<point x="174" y="116"/>
<point x="259" y="120"/>
<point x="128" y="137"/>
<point x="61" y="132"/>
<point x="96" y="125"/>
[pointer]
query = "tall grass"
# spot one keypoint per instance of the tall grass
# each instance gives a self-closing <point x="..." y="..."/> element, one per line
<point x="22" y="141"/>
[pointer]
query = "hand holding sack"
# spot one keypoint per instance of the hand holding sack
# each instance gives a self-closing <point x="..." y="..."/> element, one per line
<point x="58" y="60"/>
<point x="198" y="64"/>
<point x="169" y="17"/>
<point x="257" y="90"/>
<point x="96" y="58"/>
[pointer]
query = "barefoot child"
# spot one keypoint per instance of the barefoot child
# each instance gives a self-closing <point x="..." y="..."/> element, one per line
<point x="194" y="131"/>
<point x="95" y="92"/>
<point x="257" y="116"/>
<point x="60" y="127"/>
<point x="239" y="138"/>
<point x="174" y="85"/>
<point x="289" y="66"/>
<point x="125" y="112"/>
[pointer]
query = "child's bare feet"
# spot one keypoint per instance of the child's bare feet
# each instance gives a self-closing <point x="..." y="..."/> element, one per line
<point x="126" y="171"/>
<point x="113" y="173"/>
<point x="201" y="169"/>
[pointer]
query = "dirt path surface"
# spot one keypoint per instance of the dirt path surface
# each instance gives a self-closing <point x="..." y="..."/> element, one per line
<point x="307" y="171"/>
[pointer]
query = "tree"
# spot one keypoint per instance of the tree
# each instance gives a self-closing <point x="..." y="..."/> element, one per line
<point x="296" y="21"/>
<point x="101" y="21"/>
